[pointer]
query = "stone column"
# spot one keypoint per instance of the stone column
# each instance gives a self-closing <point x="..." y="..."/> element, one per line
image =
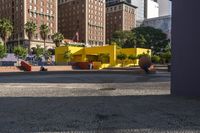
<point x="186" y="48"/>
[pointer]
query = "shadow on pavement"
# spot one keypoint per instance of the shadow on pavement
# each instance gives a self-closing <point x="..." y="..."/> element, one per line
<point x="108" y="114"/>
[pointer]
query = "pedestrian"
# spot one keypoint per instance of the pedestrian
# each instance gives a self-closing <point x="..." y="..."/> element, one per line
<point x="90" y="66"/>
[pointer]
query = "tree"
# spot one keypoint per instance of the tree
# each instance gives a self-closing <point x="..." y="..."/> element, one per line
<point x="20" y="52"/>
<point x="155" y="39"/>
<point x="128" y="39"/>
<point x="57" y="39"/>
<point x="44" y="31"/>
<point x="122" y="57"/>
<point x="67" y="56"/>
<point x="134" y="41"/>
<point x="120" y="37"/>
<point x="30" y="29"/>
<point x="6" y="29"/>
<point x="133" y="58"/>
<point x="2" y="52"/>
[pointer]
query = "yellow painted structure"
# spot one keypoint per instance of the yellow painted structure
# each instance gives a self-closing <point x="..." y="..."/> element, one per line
<point x="85" y="54"/>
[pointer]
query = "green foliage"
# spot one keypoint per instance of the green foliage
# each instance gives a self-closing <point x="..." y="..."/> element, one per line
<point x="135" y="40"/>
<point x="142" y="55"/>
<point x="44" y="31"/>
<point x="57" y="39"/>
<point x="38" y="51"/>
<point x="2" y="52"/>
<point x="120" y="37"/>
<point x="155" y="59"/>
<point x="52" y="51"/>
<point x="30" y="29"/>
<point x="20" y="52"/>
<point x="142" y="37"/>
<point x="113" y="43"/>
<point x="67" y="56"/>
<point x="104" y="58"/>
<point x="155" y="39"/>
<point x="47" y="54"/>
<point x="74" y="45"/>
<point x="6" y="29"/>
<point x="121" y="56"/>
<point x="133" y="58"/>
<point x="166" y="57"/>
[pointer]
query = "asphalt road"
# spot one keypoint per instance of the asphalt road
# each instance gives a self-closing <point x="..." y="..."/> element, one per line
<point x="85" y="103"/>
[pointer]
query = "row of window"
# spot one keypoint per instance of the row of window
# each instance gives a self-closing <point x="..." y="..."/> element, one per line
<point x="36" y="1"/>
<point x="95" y="37"/>
<point x="119" y="7"/>
<point x="94" y="42"/>
<point x="49" y="12"/>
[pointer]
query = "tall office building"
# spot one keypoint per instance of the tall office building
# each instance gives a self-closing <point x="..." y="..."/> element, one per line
<point x="82" y="20"/>
<point x="119" y="17"/>
<point x="139" y="11"/>
<point x="21" y="11"/>
<point x="164" y="7"/>
<point x="151" y="9"/>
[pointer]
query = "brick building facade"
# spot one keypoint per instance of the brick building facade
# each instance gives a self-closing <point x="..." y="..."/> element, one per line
<point x="82" y="20"/>
<point x="119" y="17"/>
<point x="21" y="11"/>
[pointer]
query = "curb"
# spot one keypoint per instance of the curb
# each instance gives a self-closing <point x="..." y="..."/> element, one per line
<point x="74" y="72"/>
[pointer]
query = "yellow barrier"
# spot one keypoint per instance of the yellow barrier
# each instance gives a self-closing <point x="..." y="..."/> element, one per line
<point x="87" y="54"/>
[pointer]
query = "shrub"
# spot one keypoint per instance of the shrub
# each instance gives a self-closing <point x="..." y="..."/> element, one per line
<point x="20" y="52"/>
<point x="144" y="54"/>
<point x="104" y="58"/>
<point x="166" y="57"/>
<point x="74" y="45"/>
<point x="2" y="52"/>
<point x="67" y="56"/>
<point x="122" y="57"/>
<point x="39" y="52"/>
<point x="155" y="59"/>
<point x="133" y="58"/>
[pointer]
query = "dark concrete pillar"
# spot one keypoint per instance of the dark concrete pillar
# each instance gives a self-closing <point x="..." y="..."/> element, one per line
<point x="186" y="48"/>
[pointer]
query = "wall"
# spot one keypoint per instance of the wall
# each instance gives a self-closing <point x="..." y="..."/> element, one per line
<point x="163" y="23"/>
<point x="81" y="54"/>
<point x="164" y="7"/>
<point x="152" y="9"/>
<point x="185" y="47"/>
<point x="78" y="51"/>
<point x="105" y="49"/>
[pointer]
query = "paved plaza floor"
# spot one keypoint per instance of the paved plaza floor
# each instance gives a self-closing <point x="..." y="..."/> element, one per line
<point x="87" y="103"/>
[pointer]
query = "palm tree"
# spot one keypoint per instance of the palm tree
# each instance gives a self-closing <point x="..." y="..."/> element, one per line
<point x="44" y="31"/>
<point x="30" y="28"/>
<point x="57" y="39"/>
<point x="6" y="29"/>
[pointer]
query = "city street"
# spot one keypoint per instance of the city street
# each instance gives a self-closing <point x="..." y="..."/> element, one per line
<point x="94" y="103"/>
